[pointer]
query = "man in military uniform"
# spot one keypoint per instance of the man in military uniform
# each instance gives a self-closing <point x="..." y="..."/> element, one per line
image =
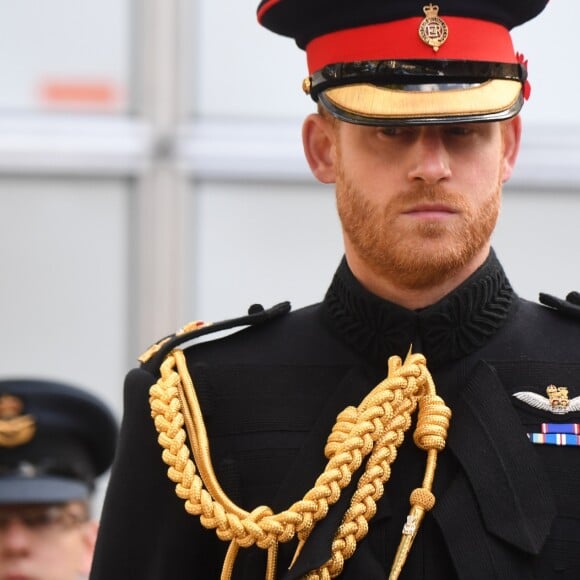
<point x="55" y="440"/>
<point x="422" y="421"/>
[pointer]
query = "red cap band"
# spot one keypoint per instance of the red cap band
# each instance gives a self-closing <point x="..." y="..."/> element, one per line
<point x="468" y="39"/>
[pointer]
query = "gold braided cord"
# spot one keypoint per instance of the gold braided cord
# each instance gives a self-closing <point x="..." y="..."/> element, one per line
<point x="372" y="431"/>
<point x="430" y="435"/>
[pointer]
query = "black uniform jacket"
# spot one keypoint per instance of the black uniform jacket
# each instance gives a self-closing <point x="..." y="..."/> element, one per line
<point x="505" y="508"/>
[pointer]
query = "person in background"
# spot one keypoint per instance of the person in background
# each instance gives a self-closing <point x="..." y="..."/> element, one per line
<point x="55" y="440"/>
<point x="421" y="422"/>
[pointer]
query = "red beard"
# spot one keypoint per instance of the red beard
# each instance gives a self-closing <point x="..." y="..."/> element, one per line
<point x="422" y="253"/>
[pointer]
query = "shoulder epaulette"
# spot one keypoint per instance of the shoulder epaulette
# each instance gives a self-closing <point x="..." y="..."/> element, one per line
<point x="257" y="314"/>
<point x="570" y="306"/>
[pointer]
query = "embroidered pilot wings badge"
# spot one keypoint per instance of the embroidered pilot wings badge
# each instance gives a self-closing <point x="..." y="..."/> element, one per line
<point x="556" y="402"/>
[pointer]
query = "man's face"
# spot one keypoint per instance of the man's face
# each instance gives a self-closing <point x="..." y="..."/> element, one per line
<point x="419" y="203"/>
<point x="45" y="542"/>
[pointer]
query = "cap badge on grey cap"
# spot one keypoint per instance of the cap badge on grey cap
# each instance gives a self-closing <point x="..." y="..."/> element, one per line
<point x="15" y="428"/>
<point x="433" y="31"/>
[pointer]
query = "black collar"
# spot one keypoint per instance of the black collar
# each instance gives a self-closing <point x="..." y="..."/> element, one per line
<point x="454" y="327"/>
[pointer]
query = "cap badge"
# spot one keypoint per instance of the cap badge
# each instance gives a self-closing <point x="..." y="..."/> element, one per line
<point x="556" y="402"/>
<point x="15" y="429"/>
<point x="432" y="30"/>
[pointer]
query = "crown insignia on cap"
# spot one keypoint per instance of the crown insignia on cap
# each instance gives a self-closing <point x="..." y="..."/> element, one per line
<point x="15" y="429"/>
<point x="432" y="30"/>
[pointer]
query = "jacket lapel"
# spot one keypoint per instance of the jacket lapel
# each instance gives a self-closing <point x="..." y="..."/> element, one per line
<point x="503" y="492"/>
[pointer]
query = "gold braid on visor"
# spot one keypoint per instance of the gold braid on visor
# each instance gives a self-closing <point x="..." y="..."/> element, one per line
<point x="395" y="92"/>
<point x="369" y="433"/>
<point x="366" y="104"/>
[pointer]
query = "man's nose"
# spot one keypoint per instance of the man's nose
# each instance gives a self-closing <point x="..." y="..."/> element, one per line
<point x="431" y="161"/>
<point x="14" y="537"/>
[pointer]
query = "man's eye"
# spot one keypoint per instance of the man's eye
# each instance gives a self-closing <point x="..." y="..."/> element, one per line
<point x="39" y="520"/>
<point x="29" y="519"/>
<point x="459" y="130"/>
<point x="392" y="131"/>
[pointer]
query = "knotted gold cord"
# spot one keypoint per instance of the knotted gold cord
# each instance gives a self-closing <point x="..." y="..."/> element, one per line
<point x="374" y="429"/>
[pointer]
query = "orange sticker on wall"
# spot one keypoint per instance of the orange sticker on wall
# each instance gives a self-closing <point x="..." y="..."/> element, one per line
<point x="79" y="93"/>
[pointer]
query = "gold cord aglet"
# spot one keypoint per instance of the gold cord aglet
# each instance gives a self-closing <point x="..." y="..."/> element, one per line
<point x="297" y="553"/>
<point x="409" y="534"/>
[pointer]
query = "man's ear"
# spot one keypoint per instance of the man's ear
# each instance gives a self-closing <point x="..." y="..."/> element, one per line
<point x="318" y="139"/>
<point x="512" y="133"/>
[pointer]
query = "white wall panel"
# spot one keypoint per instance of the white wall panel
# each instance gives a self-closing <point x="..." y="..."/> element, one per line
<point x="548" y="43"/>
<point x="64" y="287"/>
<point x="52" y="50"/>
<point x="538" y="240"/>
<point x="242" y="69"/>
<point x="259" y="243"/>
